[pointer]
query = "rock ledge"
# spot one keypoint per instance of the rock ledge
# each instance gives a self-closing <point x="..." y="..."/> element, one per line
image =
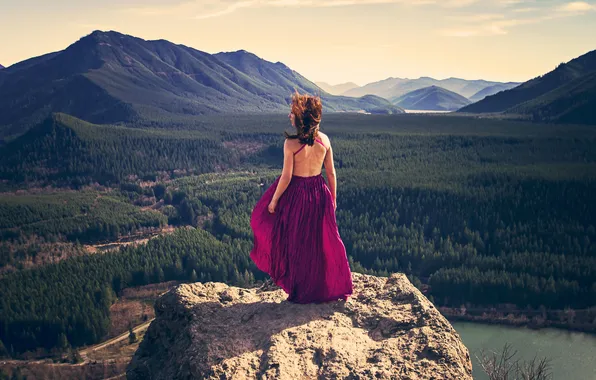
<point x="386" y="330"/>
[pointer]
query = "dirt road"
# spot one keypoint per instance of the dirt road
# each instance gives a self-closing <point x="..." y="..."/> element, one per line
<point x="114" y="340"/>
<point x="83" y="352"/>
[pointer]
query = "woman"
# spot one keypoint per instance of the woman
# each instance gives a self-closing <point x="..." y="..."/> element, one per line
<point x="296" y="240"/>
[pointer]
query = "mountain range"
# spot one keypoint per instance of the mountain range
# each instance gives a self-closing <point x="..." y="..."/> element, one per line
<point x="393" y="88"/>
<point x="566" y="94"/>
<point x="109" y="77"/>
<point x="1" y="67"/>
<point x="337" y="89"/>
<point x="431" y="98"/>
<point x="112" y="78"/>
<point x="491" y="90"/>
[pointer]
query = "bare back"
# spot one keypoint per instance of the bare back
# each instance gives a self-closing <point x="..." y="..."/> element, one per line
<point x="308" y="160"/>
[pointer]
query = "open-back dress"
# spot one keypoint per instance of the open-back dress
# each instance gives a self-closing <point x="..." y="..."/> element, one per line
<point x="299" y="245"/>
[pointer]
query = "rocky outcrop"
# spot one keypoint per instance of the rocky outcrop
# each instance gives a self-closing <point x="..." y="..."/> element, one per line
<point x="386" y="330"/>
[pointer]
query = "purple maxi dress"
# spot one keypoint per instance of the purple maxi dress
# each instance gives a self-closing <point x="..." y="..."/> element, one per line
<point x="299" y="245"/>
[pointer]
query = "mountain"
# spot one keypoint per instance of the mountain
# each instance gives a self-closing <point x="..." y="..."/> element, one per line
<point x="563" y="75"/>
<point x="215" y="331"/>
<point x="463" y="87"/>
<point x="491" y="90"/>
<point x="381" y="88"/>
<point x="392" y="88"/>
<point x="337" y="89"/>
<point x="1" y="67"/>
<point x="285" y="80"/>
<point x="108" y="77"/>
<point x="431" y="98"/>
<point x="573" y="103"/>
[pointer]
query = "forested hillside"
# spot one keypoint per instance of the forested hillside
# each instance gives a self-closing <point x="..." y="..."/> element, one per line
<point x="480" y="213"/>
<point x="565" y="95"/>
<point x="63" y="148"/>
<point x="574" y="102"/>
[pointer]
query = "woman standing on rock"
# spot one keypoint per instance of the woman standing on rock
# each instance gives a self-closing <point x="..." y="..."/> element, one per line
<point x="296" y="240"/>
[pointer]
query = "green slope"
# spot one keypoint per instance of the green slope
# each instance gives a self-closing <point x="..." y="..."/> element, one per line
<point x="562" y="75"/>
<point x="574" y="102"/>
<point x="66" y="150"/>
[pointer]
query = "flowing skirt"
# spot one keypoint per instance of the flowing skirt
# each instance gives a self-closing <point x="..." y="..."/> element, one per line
<point x="299" y="245"/>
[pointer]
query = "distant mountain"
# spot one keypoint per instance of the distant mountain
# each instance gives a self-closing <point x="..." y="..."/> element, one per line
<point x="337" y="89"/>
<point x="392" y="88"/>
<point x="381" y="88"/>
<point x="285" y="80"/>
<point x="108" y="77"/>
<point x="464" y="87"/>
<point x="563" y="75"/>
<point x="1" y="67"/>
<point x="491" y="90"/>
<point x="431" y="98"/>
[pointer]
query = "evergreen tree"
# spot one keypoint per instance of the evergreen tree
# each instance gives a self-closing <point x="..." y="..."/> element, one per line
<point x="132" y="336"/>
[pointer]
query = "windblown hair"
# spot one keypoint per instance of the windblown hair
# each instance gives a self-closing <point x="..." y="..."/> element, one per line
<point x="307" y="112"/>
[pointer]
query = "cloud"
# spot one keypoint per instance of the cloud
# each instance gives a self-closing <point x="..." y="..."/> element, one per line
<point x="525" y="10"/>
<point x="477" y="17"/>
<point x="493" y="28"/>
<point x="229" y="9"/>
<point x="494" y="17"/>
<point x="341" y="3"/>
<point x="576" y="7"/>
<point x="511" y="2"/>
<point x="336" y="3"/>
<point x="91" y="26"/>
<point x="201" y="9"/>
<point x="458" y="3"/>
<point x="476" y="25"/>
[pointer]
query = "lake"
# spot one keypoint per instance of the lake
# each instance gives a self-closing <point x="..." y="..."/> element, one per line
<point x="573" y="354"/>
<point x="426" y="111"/>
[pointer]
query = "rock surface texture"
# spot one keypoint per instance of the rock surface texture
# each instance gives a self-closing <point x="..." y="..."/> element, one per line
<point x="386" y="330"/>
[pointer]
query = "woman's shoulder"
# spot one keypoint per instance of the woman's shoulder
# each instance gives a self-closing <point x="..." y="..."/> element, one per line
<point x="292" y="143"/>
<point x="324" y="138"/>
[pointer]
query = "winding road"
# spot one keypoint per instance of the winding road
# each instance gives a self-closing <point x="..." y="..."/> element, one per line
<point x="83" y="352"/>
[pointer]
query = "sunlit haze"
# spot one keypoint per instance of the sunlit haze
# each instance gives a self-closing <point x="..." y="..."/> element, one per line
<point x="329" y="40"/>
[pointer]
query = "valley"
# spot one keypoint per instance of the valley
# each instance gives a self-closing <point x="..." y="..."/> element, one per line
<point x="106" y="204"/>
<point x="447" y="208"/>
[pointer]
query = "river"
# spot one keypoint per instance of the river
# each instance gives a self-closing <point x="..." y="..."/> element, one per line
<point x="573" y="354"/>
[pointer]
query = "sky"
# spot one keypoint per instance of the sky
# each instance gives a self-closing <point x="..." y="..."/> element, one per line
<point x="333" y="41"/>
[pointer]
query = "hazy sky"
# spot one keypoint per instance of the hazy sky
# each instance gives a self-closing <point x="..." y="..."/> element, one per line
<point x="329" y="40"/>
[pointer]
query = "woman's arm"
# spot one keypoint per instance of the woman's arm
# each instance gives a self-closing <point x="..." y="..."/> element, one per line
<point x="331" y="176"/>
<point x="286" y="176"/>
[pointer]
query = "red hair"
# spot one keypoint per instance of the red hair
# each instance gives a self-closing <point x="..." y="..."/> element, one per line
<point x="307" y="112"/>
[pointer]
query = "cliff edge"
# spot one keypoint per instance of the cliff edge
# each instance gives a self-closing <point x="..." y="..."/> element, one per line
<point x="386" y="330"/>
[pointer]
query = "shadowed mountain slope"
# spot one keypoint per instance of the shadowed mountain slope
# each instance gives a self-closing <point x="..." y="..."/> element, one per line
<point x="108" y="77"/>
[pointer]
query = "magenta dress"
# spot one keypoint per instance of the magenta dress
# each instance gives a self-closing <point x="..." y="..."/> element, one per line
<point x="299" y="245"/>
